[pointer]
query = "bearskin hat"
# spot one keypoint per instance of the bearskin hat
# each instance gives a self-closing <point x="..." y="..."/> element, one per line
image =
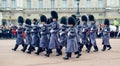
<point x="84" y="18"/>
<point x="4" y="23"/>
<point x="35" y="21"/>
<point x="74" y="16"/>
<point x="54" y="14"/>
<point x="71" y="20"/>
<point x="63" y="20"/>
<point x="106" y="22"/>
<point x="43" y="18"/>
<point x="28" y="21"/>
<point x="49" y="20"/>
<point x="91" y="18"/>
<point x="20" y="19"/>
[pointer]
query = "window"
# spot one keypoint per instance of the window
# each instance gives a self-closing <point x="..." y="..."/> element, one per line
<point x="13" y="3"/>
<point x="52" y="3"/>
<point x="40" y="3"/>
<point x="100" y="3"/>
<point x="64" y="3"/>
<point x="28" y="3"/>
<point x="88" y="3"/>
<point x="76" y="3"/>
<point x="4" y="4"/>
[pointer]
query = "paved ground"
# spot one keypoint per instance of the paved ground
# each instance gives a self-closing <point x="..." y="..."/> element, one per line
<point x="107" y="58"/>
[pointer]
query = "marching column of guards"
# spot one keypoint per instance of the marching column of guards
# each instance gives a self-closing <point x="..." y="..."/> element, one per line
<point x="47" y="34"/>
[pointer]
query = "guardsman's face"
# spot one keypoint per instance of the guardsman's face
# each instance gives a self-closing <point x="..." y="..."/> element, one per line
<point x="70" y="25"/>
<point x="54" y="20"/>
<point x="43" y="23"/>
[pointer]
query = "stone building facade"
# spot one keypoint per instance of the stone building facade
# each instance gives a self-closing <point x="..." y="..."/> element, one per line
<point x="101" y="9"/>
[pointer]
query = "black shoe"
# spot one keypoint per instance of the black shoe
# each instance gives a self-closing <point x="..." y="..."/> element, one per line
<point x="109" y="48"/>
<point x="66" y="58"/>
<point x="14" y="49"/>
<point x="47" y="55"/>
<point x="95" y="50"/>
<point x="58" y="54"/>
<point x="104" y="48"/>
<point x="36" y="53"/>
<point x="22" y="50"/>
<point x="29" y="52"/>
<point x="78" y="55"/>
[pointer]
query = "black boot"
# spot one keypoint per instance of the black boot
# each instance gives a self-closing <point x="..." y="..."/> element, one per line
<point x="96" y="49"/>
<point x="80" y="48"/>
<point x="59" y="52"/>
<point x="109" y="47"/>
<point x="89" y="47"/>
<point x="15" y="48"/>
<point x="38" y="51"/>
<point x="48" y="52"/>
<point x="78" y="54"/>
<point x="67" y="56"/>
<point x="24" y="48"/>
<point x="104" y="48"/>
<point x="88" y="50"/>
<point x="30" y="50"/>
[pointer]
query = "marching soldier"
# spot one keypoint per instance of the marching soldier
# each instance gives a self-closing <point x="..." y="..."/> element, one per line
<point x="35" y="36"/>
<point x="20" y="30"/>
<point x="84" y="35"/>
<point x="54" y="43"/>
<point x="44" y="41"/>
<point x="72" y="45"/>
<point x="93" y="30"/>
<point x="106" y="35"/>
<point x="62" y="33"/>
<point x="28" y="39"/>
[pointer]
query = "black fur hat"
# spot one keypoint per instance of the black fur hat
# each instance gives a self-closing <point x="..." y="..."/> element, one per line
<point x="74" y="16"/>
<point x="63" y="20"/>
<point x="20" y="19"/>
<point x="106" y="22"/>
<point x="4" y="23"/>
<point x="71" y="20"/>
<point x="35" y="21"/>
<point x="49" y="20"/>
<point x="84" y="18"/>
<point x="28" y="21"/>
<point x="43" y="18"/>
<point x="54" y="14"/>
<point x="91" y="18"/>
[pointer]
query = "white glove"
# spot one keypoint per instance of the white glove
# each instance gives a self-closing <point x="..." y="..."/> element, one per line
<point x="83" y="30"/>
<point x="51" y="31"/>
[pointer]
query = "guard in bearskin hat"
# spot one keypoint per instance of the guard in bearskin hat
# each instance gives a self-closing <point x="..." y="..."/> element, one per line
<point x="106" y="35"/>
<point x="28" y="39"/>
<point x="35" y="36"/>
<point x="84" y="34"/>
<point x="44" y="41"/>
<point x="54" y="43"/>
<point x="92" y="36"/>
<point x="78" y="28"/>
<point x="62" y="32"/>
<point x="72" y="45"/>
<point x="20" y="30"/>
